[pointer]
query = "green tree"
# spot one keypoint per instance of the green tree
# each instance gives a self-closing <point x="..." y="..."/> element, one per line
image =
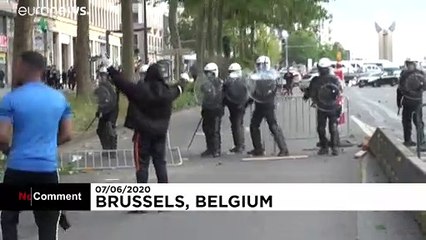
<point x="302" y="45"/>
<point x="267" y="44"/>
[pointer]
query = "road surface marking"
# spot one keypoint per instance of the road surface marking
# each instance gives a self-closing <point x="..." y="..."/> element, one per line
<point x="199" y="134"/>
<point x="363" y="169"/>
<point x="391" y="113"/>
<point x="367" y="129"/>
<point x="112" y="179"/>
<point x="274" y="158"/>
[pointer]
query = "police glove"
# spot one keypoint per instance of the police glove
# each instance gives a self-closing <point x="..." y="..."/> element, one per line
<point x="112" y="71"/>
<point x="98" y="114"/>
<point x="305" y="97"/>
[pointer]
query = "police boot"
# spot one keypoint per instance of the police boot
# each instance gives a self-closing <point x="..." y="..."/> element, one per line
<point x="409" y="143"/>
<point x="323" y="151"/>
<point x="209" y="151"/>
<point x="334" y="140"/>
<point x="280" y="140"/>
<point x="257" y="142"/>
<point x="237" y="150"/>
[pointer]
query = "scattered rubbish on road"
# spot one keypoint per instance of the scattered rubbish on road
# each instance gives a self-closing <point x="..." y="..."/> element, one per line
<point x="380" y="227"/>
<point x="112" y="179"/>
<point x="275" y="158"/>
<point x="360" y="154"/>
<point x="218" y="163"/>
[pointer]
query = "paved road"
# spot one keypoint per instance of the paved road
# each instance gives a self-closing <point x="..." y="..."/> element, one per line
<point x="239" y="225"/>
<point x="376" y="107"/>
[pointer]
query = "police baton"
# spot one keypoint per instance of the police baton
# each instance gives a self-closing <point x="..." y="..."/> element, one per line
<point x="195" y="133"/>
<point x="399" y="110"/>
<point x="91" y="123"/>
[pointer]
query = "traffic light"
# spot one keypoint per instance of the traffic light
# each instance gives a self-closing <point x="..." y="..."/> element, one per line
<point x="43" y="25"/>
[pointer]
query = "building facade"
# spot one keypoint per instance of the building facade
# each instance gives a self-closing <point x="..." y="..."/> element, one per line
<point x="156" y="21"/>
<point x="7" y="10"/>
<point x="62" y="31"/>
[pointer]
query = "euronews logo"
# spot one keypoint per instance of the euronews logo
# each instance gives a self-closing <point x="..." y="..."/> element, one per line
<point x="67" y="12"/>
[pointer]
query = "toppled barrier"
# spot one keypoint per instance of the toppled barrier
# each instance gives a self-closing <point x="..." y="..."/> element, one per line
<point x="399" y="163"/>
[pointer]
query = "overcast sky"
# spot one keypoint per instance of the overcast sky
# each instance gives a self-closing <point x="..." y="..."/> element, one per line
<point x="353" y="26"/>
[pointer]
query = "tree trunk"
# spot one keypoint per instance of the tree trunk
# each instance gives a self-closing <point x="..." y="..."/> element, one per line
<point x="23" y="38"/>
<point x="242" y="33"/>
<point x="252" y="36"/>
<point x="82" y="63"/>
<point x="219" y="34"/>
<point x="201" y="19"/>
<point x="174" y="35"/>
<point x="127" y="30"/>
<point x="210" y="34"/>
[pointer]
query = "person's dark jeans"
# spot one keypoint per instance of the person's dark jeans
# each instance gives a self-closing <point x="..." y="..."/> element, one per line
<point x="148" y="146"/>
<point x="47" y="221"/>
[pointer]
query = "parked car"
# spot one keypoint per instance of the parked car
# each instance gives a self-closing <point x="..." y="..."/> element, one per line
<point x="389" y="76"/>
<point x="306" y="80"/>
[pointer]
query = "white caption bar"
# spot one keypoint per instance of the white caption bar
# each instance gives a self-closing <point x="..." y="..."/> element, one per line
<point x="258" y="197"/>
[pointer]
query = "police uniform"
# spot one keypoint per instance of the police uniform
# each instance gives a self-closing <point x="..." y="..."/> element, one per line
<point x="411" y="102"/>
<point x="210" y="87"/>
<point x="236" y="97"/>
<point x="265" y="110"/>
<point x="324" y="90"/>
<point x="108" y="114"/>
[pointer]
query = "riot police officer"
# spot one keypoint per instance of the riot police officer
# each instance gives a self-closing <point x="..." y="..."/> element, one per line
<point x="212" y="109"/>
<point x="236" y="97"/>
<point x="107" y="111"/>
<point x="410" y="98"/>
<point x="263" y="94"/>
<point x="324" y="91"/>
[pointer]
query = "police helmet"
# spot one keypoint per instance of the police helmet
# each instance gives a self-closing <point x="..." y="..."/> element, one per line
<point x="263" y="63"/>
<point x="324" y="65"/>
<point x="211" y="69"/>
<point x="235" y="69"/>
<point x="410" y="64"/>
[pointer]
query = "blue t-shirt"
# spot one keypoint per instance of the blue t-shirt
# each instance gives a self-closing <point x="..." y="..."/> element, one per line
<point x="35" y="111"/>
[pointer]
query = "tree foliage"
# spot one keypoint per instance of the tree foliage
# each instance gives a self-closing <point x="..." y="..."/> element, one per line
<point x="304" y="45"/>
<point x="238" y="20"/>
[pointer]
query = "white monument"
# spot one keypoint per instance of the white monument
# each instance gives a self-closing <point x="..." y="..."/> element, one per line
<point x="385" y="41"/>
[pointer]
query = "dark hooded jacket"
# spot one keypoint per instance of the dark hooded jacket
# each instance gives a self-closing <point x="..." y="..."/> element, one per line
<point x="152" y="100"/>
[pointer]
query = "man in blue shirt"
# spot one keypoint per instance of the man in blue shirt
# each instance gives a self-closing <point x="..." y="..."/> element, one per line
<point x="34" y="120"/>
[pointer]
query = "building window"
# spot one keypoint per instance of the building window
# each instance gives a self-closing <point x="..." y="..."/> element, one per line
<point x="136" y="40"/>
<point x="135" y="17"/>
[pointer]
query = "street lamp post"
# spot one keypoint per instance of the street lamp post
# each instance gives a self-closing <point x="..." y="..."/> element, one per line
<point x="284" y="36"/>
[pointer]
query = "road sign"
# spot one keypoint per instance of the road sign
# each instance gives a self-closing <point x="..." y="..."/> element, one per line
<point x="339" y="56"/>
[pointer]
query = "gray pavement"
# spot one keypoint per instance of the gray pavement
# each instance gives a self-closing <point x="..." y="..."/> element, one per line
<point x="376" y="107"/>
<point x="230" y="168"/>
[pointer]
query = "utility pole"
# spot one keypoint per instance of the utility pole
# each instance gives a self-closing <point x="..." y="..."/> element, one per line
<point x="127" y="29"/>
<point x="145" y="42"/>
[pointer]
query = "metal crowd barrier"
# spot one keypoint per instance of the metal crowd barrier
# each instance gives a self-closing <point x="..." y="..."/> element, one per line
<point x="111" y="159"/>
<point x="297" y="119"/>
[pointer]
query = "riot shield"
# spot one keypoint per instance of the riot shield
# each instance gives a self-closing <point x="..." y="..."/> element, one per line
<point x="236" y="90"/>
<point x="262" y="86"/>
<point x="415" y="84"/>
<point x="208" y="92"/>
<point x="106" y="97"/>
<point x="327" y="97"/>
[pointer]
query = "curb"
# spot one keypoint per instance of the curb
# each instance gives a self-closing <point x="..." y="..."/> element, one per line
<point x="399" y="164"/>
